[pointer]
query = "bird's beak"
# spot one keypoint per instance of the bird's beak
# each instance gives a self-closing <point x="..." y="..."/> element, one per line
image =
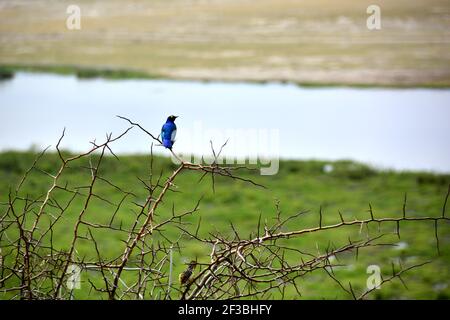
<point x="176" y="117"/>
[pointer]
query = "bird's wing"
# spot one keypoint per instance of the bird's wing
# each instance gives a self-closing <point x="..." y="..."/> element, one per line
<point x="164" y="131"/>
<point x="173" y="135"/>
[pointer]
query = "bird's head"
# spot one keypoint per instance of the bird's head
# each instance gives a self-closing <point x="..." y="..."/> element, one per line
<point x="193" y="264"/>
<point x="172" y="118"/>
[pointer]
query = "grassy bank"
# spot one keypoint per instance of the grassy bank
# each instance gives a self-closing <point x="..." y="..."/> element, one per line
<point x="307" y="42"/>
<point x="7" y="72"/>
<point x="300" y="185"/>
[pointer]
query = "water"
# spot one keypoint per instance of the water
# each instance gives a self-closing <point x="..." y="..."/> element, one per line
<point x="388" y="128"/>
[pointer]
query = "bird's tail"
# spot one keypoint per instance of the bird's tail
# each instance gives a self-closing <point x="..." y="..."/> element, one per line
<point x="161" y="145"/>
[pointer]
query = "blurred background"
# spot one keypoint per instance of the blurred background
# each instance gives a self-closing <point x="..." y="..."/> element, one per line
<point x="361" y="116"/>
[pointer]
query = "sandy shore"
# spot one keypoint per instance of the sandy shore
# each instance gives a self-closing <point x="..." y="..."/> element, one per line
<point x="312" y="41"/>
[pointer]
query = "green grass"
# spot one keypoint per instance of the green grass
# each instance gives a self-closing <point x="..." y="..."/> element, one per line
<point x="7" y="71"/>
<point x="300" y="185"/>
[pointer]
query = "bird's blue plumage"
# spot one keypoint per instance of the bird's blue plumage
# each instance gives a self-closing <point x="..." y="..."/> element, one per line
<point x="168" y="133"/>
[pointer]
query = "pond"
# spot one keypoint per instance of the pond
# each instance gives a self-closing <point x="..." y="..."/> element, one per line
<point x="403" y="129"/>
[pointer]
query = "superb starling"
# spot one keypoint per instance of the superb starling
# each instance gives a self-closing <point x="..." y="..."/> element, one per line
<point x="185" y="275"/>
<point x="168" y="132"/>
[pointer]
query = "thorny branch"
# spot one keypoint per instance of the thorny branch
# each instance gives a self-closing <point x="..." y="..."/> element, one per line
<point x="35" y="266"/>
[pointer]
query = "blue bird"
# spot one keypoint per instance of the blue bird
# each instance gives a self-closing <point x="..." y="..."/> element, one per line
<point x="168" y="132"/>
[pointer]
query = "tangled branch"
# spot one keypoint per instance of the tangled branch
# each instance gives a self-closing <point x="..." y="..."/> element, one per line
<point x="36" y="266"/>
